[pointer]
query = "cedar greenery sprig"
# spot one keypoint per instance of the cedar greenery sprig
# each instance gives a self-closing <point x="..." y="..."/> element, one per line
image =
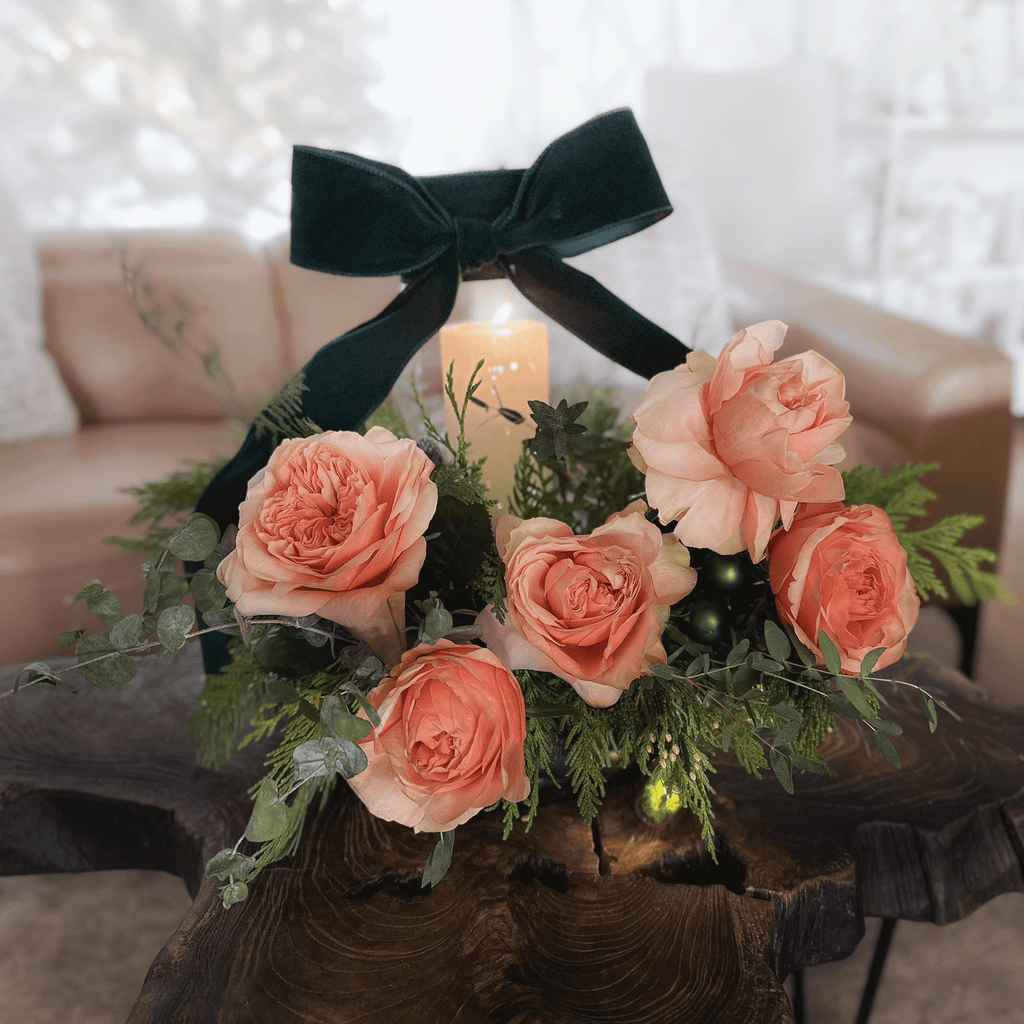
<point x="161" y="499"/>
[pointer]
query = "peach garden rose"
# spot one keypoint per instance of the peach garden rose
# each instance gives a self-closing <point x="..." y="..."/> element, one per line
<point x="729" y="445"/>
<point x="450" y="740"/>
<point x="589" y="609"/>
<point x="334" y="526"/>
<point x="842" y="570"/>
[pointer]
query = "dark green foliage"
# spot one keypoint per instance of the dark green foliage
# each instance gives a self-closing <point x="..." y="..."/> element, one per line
<point x="489" y="584"/>
<point x="463" y="483"/>
<point x="461" y="537"/>
<point x="590" y="480"/>
<point x="557" y="429"/>
<point x="287" y="651"/>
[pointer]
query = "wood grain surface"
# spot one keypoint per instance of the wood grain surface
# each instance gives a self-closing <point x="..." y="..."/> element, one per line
<point x="621" y="921"/>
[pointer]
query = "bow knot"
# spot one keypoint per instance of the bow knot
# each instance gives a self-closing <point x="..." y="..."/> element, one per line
<point x="475" y="241"/>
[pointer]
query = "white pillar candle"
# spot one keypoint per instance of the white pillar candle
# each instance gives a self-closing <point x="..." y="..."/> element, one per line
<point x="514" y="372"/>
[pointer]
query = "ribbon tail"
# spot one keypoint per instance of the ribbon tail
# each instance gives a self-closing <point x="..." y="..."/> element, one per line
<point x="342" y="384"/>
<point x="346" y="379"/>
<point x="586" y="308"/>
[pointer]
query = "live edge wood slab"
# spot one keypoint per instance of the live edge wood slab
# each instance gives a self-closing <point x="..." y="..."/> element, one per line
<point x="624" y="921"/>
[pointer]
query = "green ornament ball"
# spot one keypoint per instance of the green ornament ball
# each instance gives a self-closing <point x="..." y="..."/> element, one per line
<point x="707" y="620"/>
<point x="727" y="572"/>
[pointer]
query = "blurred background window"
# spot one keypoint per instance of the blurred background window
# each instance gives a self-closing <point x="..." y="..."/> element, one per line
<point x="877" y="145"/>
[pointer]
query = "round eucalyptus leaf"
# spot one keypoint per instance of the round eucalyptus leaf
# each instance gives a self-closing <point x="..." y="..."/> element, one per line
<point x="196" y="539"/>
<point x="346" y="758"/>
<point x="129" y="632"/>
<point x="173" y="625"/>
<point x="341" y="723"/>
<point x="101" y="663"/>
<point x="269" y="819"/>
<point x="207" y="591"/>
<point x="230" y="863"/>
<point x="232" y="894"/>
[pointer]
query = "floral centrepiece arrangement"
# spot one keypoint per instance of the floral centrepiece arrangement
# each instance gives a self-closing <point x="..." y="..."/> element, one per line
<point x="702" y="581"/>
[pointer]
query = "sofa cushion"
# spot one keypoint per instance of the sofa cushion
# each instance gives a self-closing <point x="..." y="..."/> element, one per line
<point x="198" y="290"/>
<point x="61" y="496"/>
<point x="316" y="307"/>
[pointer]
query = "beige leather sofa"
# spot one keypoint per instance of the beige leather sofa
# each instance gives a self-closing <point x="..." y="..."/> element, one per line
<point x="145" y="408"/>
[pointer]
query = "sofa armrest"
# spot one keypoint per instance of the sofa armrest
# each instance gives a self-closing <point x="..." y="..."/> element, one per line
<point x="936" y="396"/>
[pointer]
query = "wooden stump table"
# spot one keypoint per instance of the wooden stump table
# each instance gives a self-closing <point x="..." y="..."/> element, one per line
<point x="618" y="921"/>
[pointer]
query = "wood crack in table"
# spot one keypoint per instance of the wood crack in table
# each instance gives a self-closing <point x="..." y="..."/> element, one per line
<point x="543" y="927"/>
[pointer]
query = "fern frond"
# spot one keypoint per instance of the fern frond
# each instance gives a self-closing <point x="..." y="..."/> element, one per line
<point x="282" y="416"/>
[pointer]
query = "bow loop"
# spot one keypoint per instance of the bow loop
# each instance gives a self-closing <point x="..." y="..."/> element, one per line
<point x="476" y="241"/>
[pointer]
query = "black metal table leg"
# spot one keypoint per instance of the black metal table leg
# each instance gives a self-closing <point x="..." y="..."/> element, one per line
<point x="867" y="998"/>
<point x="966" y="619"/>
<point x="798" y="995"/>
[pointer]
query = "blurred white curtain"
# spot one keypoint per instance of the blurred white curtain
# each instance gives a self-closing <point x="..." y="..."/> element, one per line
<point x="176" y="113"/>
<point x="876" y="141"/>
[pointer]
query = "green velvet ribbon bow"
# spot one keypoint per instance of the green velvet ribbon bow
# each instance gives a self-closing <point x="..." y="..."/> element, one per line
<point x="362" y="218"/>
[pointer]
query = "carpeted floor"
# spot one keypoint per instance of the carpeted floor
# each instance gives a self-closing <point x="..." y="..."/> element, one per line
<point x="75" y="949"/>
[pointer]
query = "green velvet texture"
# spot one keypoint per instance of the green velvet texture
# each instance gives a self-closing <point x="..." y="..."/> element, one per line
<point x="363" y="218"/>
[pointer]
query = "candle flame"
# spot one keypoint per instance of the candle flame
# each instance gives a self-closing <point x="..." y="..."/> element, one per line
<point x="502" y="315"/>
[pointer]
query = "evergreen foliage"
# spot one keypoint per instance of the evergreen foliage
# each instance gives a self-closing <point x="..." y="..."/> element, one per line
<point x="591" y="478"/>
<point x="227" y="704"/>
<point x="282" y="416"/>
<point x="739" y="685"/>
